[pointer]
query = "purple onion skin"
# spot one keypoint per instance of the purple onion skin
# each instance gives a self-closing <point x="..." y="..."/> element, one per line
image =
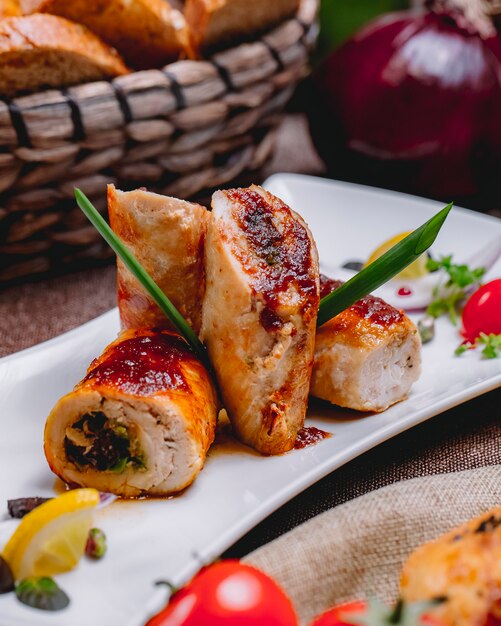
<point x="413" y="103"/>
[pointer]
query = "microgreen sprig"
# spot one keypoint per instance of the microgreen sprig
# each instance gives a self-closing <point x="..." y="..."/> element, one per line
<point x="491" y="343"/>
<point x="141" y="275"/>
<point x="382" y="269"/>
<point x="448" y="296"/>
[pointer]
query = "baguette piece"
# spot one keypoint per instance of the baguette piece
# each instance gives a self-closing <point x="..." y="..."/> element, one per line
<point x="38" y="51"/>
<point x="147" y="33"/>
<point x="216" y="22"/>
<point x="167" y="236"/>
<point x="464" y="568"/>
<point x="9" y="8"/>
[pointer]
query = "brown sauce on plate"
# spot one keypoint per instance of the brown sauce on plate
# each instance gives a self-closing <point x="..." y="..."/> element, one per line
<point x="309" y="436"/>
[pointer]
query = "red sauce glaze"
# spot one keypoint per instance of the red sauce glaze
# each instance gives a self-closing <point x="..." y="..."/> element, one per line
<point x="279" y="258"/>
<point x="371" y="308"/>
<point x="404" y="291"/>
<point x="144" y="366"/>
<point x="309" y="436"/>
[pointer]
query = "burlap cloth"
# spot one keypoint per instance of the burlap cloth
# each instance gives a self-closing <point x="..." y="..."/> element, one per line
<point x="357" y="549"/>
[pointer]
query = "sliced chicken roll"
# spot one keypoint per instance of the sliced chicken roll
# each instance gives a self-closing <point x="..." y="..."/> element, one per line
<point x="167" y="237"/>
<point x="139" y="423"/>
<point x="259" y="314"/>
<point x="366" y="358"/>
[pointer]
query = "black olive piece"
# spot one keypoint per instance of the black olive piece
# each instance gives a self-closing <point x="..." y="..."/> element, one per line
<point x="6" y="577"/>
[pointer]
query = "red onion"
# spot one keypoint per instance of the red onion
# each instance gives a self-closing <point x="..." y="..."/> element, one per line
<point x="413" y="102"/>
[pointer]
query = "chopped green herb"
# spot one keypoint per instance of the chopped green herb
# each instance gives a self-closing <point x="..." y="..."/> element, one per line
<point x="42" y="593"/>
<point x="464" y="347"/>
<point x="491" y="343"/>
<point x="448" y="296"/>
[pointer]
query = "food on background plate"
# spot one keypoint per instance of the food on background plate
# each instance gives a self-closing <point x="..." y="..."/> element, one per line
<point x="147" y="33"/>
<point x="167" y="236"/>
<point x="366" y="358"/>
<point x="259" y="314"/>
<point x="38" y="51"/>
<point x="216" y="22"/>
<point x="228" y="593"/>
<point x="464" y="568"/>
<point x="9" y="8"/>
<point x="373" y="613"/>
<point x="139" y="423"/>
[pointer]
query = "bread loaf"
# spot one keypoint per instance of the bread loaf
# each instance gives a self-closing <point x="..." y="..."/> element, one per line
<point x="216" y="22"/>
<point x="38" y="51"/>
<point x="147" y="33"/>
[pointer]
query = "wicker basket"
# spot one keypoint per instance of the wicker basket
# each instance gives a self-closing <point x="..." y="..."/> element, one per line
<point x="190" y="127"/>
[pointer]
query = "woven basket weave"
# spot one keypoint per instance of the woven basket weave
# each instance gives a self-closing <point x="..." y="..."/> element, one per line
<point x="192" y="126"/>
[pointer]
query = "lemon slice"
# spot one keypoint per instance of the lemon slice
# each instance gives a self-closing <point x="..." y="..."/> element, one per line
<point x="51" y="539"/>
<point x="417" y="269"/>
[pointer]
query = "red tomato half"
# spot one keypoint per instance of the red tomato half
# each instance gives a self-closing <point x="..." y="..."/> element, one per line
<point x="347" y="614"/>
<point x="482" y="312"/>
<point x="338" y="615"/>
<point x="228" y="593"/>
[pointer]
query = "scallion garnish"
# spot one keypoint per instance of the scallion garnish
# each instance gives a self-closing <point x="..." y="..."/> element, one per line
<point x="382" y="269"/>
<point x="141" y="275"/>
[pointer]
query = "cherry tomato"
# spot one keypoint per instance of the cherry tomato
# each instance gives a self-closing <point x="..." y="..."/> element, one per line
<point x="347" y="614"/>
<point x="482" y="312"/>
<point x="339" y="614"/>
<point x="228" y="593"/>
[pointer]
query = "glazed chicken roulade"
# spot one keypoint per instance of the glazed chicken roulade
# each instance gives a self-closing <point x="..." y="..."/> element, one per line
<point x="463" y="568"/>
<point x="259" y="314"/>
<point x="139" y="423"/>
<point x="167" y="236"/>
<point x="366" y="358"/>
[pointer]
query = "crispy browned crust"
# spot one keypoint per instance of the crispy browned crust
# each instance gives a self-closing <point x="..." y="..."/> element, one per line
<point x="148" y="33"/>
<point x="9" y="8"/>
<point x="464" y="567"/>
<point x="167" y="236"/>
<point x="39" y="51"/>
<point x="216" y="22"/>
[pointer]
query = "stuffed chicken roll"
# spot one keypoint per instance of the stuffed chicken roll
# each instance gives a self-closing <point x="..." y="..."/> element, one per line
<point x="259" y="314"/>
<point x="367" y="357"/>
<point x="139" y="423"/>
<point x="167" y="236"/>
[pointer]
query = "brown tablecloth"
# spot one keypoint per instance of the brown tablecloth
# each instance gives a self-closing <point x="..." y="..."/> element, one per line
<point x="464" y="438"/>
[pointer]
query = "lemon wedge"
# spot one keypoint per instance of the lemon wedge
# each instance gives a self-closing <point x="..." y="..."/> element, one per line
<point x="414" y="270"/>
<point x="51" y="539"/>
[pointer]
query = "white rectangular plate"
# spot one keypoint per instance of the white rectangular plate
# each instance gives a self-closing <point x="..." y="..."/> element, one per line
<point x="166" y="539"/>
